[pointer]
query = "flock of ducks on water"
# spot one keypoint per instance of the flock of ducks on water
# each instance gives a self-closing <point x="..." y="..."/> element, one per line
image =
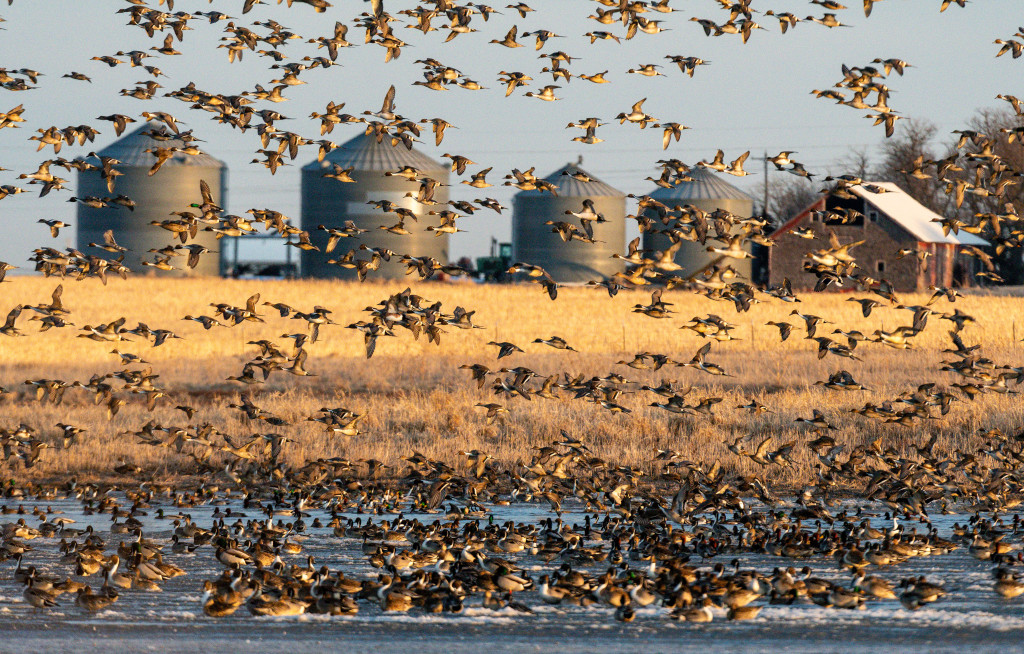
<point x="674" y="538"/>
<point x="630" y="547"/>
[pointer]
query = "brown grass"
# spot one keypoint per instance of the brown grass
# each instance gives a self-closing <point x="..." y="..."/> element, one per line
<point x="416" y="398"/>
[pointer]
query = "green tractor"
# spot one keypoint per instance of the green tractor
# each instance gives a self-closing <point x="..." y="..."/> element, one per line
<point x="492" y="268"/>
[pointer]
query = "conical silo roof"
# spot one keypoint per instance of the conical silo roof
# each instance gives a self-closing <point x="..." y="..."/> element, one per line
<point x="569" y="186"/>
<point x="130" y="150"/>
<point x="706" y="185"/>
<point x="364" y="153"/>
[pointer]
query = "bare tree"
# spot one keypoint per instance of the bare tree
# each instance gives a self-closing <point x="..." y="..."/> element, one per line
<point x="788" y="195"/>
<point x="988" y="178"/>
<point x="856" y="162"/>
<point x="903" y="158"/>
<point x="996" y="175"/>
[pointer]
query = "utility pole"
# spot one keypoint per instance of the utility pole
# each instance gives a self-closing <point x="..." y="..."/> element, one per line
<point x="764" y="207"/>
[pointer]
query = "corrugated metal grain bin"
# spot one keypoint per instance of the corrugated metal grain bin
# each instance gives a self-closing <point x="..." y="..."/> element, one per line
<point x="329" y="202"/>
<point x="535" y="243"/>
<point x="173" y="188"/>
<point x="708" y="192"/>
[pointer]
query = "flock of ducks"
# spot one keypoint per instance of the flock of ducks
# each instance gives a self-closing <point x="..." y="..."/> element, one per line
<point x="675" y="538"/>
<point x="428" y="536"/>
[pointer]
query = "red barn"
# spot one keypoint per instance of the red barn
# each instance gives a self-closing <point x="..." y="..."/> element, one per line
<point x="903" y="241"/>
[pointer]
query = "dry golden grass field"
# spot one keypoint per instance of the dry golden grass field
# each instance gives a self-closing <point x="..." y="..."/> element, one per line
<point x="415" y="397"/>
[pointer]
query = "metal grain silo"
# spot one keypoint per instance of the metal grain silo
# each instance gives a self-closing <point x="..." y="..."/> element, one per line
<point x="328" y="202"/>
<point x="535" y="243"/>
<point x="173" y="188"/>
<point x="708" y="192"/>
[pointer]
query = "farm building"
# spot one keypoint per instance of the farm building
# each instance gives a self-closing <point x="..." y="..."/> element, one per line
<point x="156" y="197"/>
<point x="709" y="192"/>
<point x="535" y="242"/>
<point x="888" y="223"/>
<point x="328" y="202"/>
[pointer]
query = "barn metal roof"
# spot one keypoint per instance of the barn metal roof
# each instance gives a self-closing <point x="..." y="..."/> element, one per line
<point x="130" y="150"/>
<point x="913" y="216"/>
<point x="706" y="185"/>
<point x="571" y="187"/>
<point x="364" y="153"/>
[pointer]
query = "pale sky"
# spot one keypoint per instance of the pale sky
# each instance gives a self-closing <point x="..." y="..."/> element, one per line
<point x="754" y="97"/>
